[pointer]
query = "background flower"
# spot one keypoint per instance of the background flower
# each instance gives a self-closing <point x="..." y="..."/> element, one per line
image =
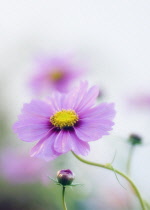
<point x="140" y="100"/>
<point x="54" y="73"/>
<point x="19" y="168"/>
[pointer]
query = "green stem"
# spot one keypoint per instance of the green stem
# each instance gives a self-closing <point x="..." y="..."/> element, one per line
<point x="147" y="204"/>
<point x="130" y="160"/>
<point x="109" y="167"/>
<point x="63" y="198"/>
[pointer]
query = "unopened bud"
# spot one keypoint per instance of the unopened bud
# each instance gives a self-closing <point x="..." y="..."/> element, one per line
<point x="135" y="139"/>
<point x="65" y="177"/>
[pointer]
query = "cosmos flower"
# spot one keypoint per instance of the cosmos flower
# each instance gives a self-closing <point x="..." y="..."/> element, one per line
<point x="19" y="168"/>
<point x="65" y="122"/>
<point x="54" y="73"/>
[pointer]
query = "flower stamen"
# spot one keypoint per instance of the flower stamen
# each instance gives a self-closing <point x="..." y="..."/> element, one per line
<point x="64" y="118"/>
<point x="56" y="75"/>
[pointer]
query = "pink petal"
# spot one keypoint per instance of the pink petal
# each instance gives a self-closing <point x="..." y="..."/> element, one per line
<point x="31" y="128"/>
<point x="33" y="122"/>
<point x="78" y="99"/>
<point x="57" y="101"/>
<point x="68" y="101"/>
<point x="27" y="120"/>
<point x="79" y="147"/>
<point x="38" y="108"/>
<point x="67" y="140"/>
<point x="95" y="123"/>
<point x="44" y="148"/>
<point x="104" y="110"/>
<point x="88" y="99"/>
<point x="63" y="142"/>
<point x="28" y="134"/>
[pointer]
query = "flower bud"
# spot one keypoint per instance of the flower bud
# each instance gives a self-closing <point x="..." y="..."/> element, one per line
<point x="65" y="177"/>
<point x="134" y="139"/>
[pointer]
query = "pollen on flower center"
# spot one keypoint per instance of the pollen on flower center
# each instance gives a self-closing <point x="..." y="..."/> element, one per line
<point x="56" y="75"/>
<point x="64" y="118"/>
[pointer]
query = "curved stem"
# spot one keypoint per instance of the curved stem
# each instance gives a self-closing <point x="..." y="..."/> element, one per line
<point x="63" y="198"/>
<point x="109" y="167"/>
<point x="130" y="159"/>
<point x="147" y="204"/>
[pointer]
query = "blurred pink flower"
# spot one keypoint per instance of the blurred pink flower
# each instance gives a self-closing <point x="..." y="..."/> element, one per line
<point x="141" y="100"/>
<point x="20" y="168"/>
<point x="65" y="122"/>
<point x="116" y="198"/>
<point x="54" y="73"/>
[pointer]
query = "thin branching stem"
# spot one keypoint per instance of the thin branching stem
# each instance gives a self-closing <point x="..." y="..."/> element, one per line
<point x="109" y="167"/>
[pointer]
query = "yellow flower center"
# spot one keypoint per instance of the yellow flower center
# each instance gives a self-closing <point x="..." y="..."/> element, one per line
<point x="64" y="118"/>
<point x="56" y="75"/>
